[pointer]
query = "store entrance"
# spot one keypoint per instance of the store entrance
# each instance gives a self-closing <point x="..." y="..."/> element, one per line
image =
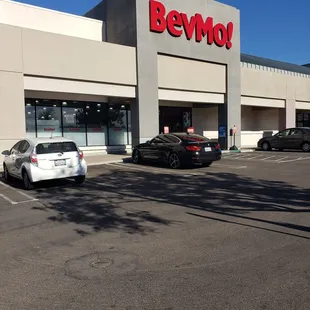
<point x="178" y="119"/>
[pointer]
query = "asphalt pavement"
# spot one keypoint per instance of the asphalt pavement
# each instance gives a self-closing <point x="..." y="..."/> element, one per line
<point x="232" y="236"/>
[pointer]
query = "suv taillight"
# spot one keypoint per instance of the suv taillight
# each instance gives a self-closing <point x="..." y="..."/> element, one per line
<point x="217" y="147"/>
<point x="193" y="148"/>
<point x="81" y="154"/>
<point x="34" y="159"/>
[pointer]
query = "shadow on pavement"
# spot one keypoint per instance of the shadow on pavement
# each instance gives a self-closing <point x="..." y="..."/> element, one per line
<point x="120" y="199"/>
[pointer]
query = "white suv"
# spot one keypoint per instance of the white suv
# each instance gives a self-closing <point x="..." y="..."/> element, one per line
<point x="35" y="160"/>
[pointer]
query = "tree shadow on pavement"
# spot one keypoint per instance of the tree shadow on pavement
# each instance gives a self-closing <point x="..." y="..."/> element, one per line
<point x="129" y="199"/>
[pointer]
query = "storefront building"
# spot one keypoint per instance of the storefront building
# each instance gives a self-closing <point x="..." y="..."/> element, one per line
<point x="129" y="69"/>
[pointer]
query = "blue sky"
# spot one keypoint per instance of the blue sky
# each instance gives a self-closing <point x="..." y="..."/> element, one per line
<point x="276" y="29"/>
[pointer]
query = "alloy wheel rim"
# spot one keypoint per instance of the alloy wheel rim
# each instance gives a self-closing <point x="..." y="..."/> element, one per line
<point x="306" y="147"/>
<point x="265" y="146"/>
<point x="174" y="161"/>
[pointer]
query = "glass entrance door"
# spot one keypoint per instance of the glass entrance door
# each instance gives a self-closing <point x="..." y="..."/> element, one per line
<point x="178" y="119"/>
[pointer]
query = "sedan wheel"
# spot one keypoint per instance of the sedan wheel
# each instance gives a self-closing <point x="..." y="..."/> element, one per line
<point x="136" y="157"/>
<point x="174" y="161"/>
<point x="306" y="147"/>
<point x="27" y="183"/>
<point x="6" y="174"/>
<point x="265" y="146"/>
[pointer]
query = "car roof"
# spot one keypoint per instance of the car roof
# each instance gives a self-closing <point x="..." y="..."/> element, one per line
<point x="36" y="141"/>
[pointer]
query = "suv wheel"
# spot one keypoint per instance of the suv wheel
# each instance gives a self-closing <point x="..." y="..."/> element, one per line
<point x="306" y="146"/>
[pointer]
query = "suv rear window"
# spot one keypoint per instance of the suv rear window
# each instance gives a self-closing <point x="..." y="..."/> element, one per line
<point x="56" y="147"/>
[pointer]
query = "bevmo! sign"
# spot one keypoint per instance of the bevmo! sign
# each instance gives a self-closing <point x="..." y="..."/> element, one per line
<point x="177" y="24"/>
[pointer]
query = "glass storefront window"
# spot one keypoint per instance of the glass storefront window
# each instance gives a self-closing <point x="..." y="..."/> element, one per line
<point x="97" y="124"/>
<point x="48" y="118"/>
<point x="30" y="112"/>
<point x="74" y="122"/>
<point x="118" y="125"/>
<point x="86" y="123"/>
<point x="303" y="119"/>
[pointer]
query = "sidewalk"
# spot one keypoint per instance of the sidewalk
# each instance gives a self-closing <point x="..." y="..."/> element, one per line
<point x="95" y="160"/>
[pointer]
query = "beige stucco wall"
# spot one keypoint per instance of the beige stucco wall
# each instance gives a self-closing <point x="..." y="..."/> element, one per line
<point x="28" y="56"/>
<point x="52" y="55"/>
<point x="185" y="74"/>
<point x="37" y="18"/>
<point x="258" y="82"/>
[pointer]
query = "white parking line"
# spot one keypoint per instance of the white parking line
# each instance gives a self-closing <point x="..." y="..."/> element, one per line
<point x="30" y="198"/>
<point x="229" y="166"/>
<point x="160" y="170"/>
<point x="295" y="159"/>
<point x="268" y="157"/>
<point x="254" y="157"/>
<point x="277" y="160"/>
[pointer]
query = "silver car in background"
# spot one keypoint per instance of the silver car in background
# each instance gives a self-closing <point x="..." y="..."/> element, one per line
<point x="41" y="159"/>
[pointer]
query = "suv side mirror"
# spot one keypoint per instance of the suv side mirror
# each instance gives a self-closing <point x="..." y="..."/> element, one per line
<point x="6" y="153"/>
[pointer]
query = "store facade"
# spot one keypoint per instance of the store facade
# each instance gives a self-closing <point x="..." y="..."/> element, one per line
<point x="128" y="70"/>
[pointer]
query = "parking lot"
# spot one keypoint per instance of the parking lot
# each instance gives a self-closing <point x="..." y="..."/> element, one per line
<point x="232" y="236"/>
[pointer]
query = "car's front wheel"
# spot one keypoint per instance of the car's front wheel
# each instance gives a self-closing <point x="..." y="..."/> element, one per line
<point x="6" y="173"/>
<point x="79" y="179"/>
<point x="28" y="185"/>
<point x="136" y="157"/>
<point x="266" y="146"/>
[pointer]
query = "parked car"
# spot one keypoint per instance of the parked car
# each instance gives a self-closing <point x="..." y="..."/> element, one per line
<point x="291" y="138"/>
<point x="35" y="160"/>
<point x="178" y="149"/>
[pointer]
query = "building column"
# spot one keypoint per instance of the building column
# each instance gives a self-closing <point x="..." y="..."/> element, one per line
<point x="287" y="117"/>
<point x="229" y="114"/>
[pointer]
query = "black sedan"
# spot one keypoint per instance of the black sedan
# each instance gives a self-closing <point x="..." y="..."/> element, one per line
<point x="292" y="138"/>
<point x="177" y="150"/>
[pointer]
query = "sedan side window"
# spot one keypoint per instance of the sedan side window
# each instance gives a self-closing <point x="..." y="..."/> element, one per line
<point x="283" y="133"/>
<point x="23" y="147"/>
<point x="171" y="139"/>
<point x="15" y="148"/>
<point x="296" y="132"/>
<point x="157" y="140"/>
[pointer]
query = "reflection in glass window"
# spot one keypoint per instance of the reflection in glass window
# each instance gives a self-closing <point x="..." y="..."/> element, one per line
<point x="48" y="118"/>
<point x="30" y="112"/>
<point x="117" y="125"/>
<point x="74" y="122"/>
<point x="303" y="119"/>
<point x="97" y="124"/>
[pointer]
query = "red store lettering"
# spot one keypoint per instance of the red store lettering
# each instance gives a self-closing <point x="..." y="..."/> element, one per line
<point x="177" y="23"/>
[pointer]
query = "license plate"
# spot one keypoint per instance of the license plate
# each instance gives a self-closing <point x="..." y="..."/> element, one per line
<point x="61" y="162"/>
<point x="208" y="149"/>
